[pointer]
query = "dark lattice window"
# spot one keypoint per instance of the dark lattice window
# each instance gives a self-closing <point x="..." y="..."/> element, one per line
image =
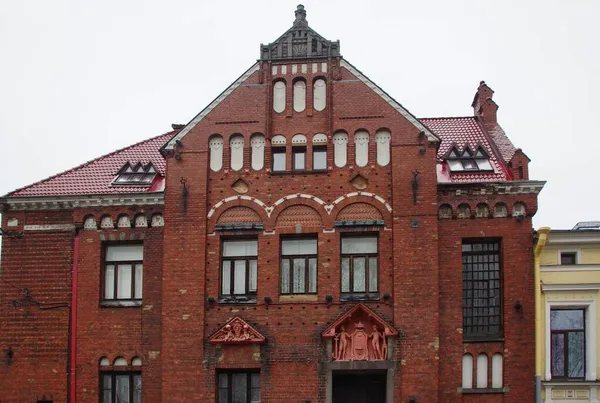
<point x="238" y="387"/>
<point x="482" y="291"/>
<point x="567" y="327"/>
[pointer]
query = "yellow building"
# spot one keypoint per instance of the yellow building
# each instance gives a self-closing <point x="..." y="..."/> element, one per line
<point x="567" y="333"/>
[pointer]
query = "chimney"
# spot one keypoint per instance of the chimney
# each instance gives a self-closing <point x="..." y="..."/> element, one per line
<point x="483" y="105"/>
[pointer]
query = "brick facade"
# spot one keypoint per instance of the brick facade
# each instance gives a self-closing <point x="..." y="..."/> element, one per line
<point x="419" y="255"/>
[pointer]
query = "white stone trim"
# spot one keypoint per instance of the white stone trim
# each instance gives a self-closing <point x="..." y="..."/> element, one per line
<point x="171" y="144"/>
<point x="506" y="188"/>
<point x="571" y="287"/>
<point x="590" y="336"/>
<point x="49" y="227"/>
<point x="391" y="101"/>
<point x="84" y="201"/>
<point x="571" y="268"/>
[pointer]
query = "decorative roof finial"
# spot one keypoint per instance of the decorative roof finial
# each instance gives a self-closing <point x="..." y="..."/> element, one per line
<point x="300" y="14"/>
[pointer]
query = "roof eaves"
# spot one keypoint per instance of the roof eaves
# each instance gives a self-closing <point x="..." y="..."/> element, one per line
<point x="169" y="145"/>
<point x="391" y="101"/>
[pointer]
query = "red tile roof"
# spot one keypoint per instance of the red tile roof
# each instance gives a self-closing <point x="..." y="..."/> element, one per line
<point x="462" y="132"/>
<point x="96" y="176"/>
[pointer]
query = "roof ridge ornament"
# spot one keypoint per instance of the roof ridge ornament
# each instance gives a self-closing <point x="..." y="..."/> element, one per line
<point x="300" y="42"/>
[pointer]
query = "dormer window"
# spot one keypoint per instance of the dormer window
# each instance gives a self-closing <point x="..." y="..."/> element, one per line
<point x="468" y="160"/>
<point x="137" y="175"/>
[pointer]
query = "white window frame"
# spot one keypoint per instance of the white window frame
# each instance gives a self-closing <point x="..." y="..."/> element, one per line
<point x="590" y="334"/>
<point x="577" y="255"/>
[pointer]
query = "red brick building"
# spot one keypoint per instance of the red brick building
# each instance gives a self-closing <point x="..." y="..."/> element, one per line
<point x="304" y="238"/>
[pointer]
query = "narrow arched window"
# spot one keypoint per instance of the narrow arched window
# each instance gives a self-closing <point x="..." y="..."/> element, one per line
<point x="383" y="139"/>
<point x="340" y="149"/>
<point x="257" y="146"/>
<point x="319" y="94"/>
<point x="467" y="371"/>
<point x="236" y="147"/>
<point x="216" y="153"/>
<point x="482" y="371"/>
<point x="299" y="95"/>
<point x="497" y="371"/>
<point x="361" y="147"/>
<point x="279" y="96"/>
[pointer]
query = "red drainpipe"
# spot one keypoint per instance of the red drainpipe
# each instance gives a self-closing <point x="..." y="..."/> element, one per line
<point x="73" y="340"/>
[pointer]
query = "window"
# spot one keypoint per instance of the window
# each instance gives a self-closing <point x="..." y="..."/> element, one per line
<point x="319" y="158"/>
<point x="568" y="258"/>
<point x="123" y="272"/>
<point x="567" y="332"/>
<point x="359" y="264"/>
<point x="299" y="266"/>
<point x="238" y="387"/>
<point x="279" y="96"/>
<point x="299" y="158"/>
<point x="240" y="267"/>
<point x="118" y="387"/>
<point x="482" y="302"/>
<point x="278" y="159"/>
<point x="136" y="175"/>
<point x="469" y="161"/>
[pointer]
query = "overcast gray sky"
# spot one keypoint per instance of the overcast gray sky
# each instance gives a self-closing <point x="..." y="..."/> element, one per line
<point x="79" y="79"/>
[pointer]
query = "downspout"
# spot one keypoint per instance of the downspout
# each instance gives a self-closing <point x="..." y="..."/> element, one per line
<point x="73" y="325"/>
<point x="542" y="234"/>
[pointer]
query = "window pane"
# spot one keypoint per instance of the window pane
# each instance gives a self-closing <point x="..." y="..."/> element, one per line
<point x="299" y="275"/>
<point x="124" y="282"/>
<point x="359" y="245"/>
<point x="239" y="277"/>
<point x="223" y="396"/>
<point x="566" y="319"/>
<point x="484" y="164"/>
<point x="255" y="396"/>
<point x="107" y="396"/>
<point x="226" y="278"/>
<point x="255" y="380"/>
<point x="576" y="354"/>
<point x="137" y="387"/>
<point x="558" y="355"/>
<point x="252" y="277"/>
<point x="568" y="258"/>
<point x="312" y="275"/>
<point x="299" y="247"/>
<point x="223" y="378"/>
<point x="299" y="157"/>
<point x="240" y="248"/>
<point x="319" y="158"/>
<point x="239" y="388"/>
<point x="373" y="274"/>
<point x="359" y="274"/>
<point x="119" y="253"/>
<point x="139" y="273"/>
<point x="345" y="274"/>
<point x="109" y="282"/>
<point x="279" y="160"/>
<point x="122" y="387"/>
<point x="285" y="276"/>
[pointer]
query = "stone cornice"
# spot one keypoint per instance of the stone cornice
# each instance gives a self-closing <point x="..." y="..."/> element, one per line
<point x="83" y="201"/>
<point x="487" y="188"/>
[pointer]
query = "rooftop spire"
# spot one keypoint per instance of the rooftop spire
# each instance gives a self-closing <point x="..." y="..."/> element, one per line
<point x="300" y="15"/>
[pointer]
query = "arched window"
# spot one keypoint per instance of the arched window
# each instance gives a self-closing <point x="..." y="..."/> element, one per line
<point x="497" y="371"/>
<point x="340" y="146"/>
<point x="361" y="146"/>
<point x="319" y="151"/>
<point x="467" y="371"/>
<point x="216" y="153"/>
<point x="482" y="371"/>
<point x="279" y="96"/>
<point x="383" y="139"/>
<point x="236" y="147"/>
<point x="299" y="95"/>
<point x="319" y="94"/>
<point x="257" y="146"/>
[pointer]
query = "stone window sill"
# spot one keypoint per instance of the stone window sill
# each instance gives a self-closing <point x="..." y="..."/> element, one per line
<point x="483" y="390"/>
<point x="120" y="304"/>
<point x="349" y="297"/>
<point x="299" y="298"/>
<point x="238" y="300"/>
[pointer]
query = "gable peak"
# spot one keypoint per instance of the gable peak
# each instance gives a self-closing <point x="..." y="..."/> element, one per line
<point x="300" y="42"/>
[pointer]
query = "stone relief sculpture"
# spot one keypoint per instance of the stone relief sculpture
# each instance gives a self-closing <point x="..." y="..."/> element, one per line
<point x="360" y="335"/>
<point x="237" y="331"/>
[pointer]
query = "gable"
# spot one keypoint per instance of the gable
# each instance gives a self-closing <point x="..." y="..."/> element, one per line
<point x="360" y="313"/>
<point x="237" y="331"/>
